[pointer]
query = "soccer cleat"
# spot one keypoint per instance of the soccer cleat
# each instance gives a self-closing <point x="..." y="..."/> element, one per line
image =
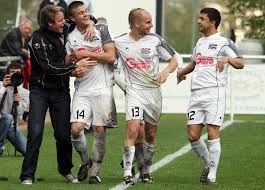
<point x="128" y="180"/>
<point x="133" y="170"/>
<point x="148" y="179"/>
<point x="94" y="180"/>
<point x="71" y="178"/>
<point x="27" y="182"/>
<point x="211" y="183"/>
<point x="83" y="170"/>
<point x="205" y="172"/>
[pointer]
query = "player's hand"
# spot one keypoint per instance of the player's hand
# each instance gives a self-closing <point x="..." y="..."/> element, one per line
<point x="79" y="72"/>
<point x="86" y="63"/>
<point x="90" y="31"/>
<point x="162" y="77"/>
<point x="16" y="97"/>
<point x="7" y="80"/>
<point x="221" y="64"/>
<point x="180" y="77"/>
<point x="81" y="54"/>
<point x="69" y="58"/>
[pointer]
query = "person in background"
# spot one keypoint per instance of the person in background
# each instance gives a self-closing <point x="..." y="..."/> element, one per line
<point x="15" y="43"/>
<point x="7" y="98"/>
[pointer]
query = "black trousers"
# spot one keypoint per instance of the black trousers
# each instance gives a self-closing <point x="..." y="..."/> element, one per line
<point x="59" y="107"/>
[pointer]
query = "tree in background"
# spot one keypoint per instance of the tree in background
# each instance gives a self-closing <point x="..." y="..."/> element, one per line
<point x="251" y="13"/>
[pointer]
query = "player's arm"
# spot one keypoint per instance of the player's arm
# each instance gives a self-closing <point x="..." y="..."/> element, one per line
<point x="107" y="56"/>
<point x="172" y="65"/>
<point x="236" y="62"/>
<point x="182" y="72"/>
<point x="232" y="57"/>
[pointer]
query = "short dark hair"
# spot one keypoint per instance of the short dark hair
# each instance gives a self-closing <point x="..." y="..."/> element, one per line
<point x="47" y="14"/>
<point x="134" y="15"/>
<point x="13" y="65"/>
<point x="73" y="6"/>
<point x="213" y="15"/>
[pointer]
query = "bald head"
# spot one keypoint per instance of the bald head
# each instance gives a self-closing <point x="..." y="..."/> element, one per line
<point x="135" y="15"/>
<point x="25" y="28"/>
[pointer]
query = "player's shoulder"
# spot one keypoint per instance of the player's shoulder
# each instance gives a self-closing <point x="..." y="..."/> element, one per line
<point x="155" y="36"/>
<point x="121" y="37"/>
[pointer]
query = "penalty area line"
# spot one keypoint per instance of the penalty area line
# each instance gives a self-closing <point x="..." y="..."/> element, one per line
<point x="169" y="158"/>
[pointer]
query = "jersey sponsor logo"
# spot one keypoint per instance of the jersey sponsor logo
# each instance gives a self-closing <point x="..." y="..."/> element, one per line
<point x="97" y="50"/>
<point x="135" y="64"/>
<point x="204" y="60"/>
<point x="145" y="50"/>
<point x="212" y="46"/>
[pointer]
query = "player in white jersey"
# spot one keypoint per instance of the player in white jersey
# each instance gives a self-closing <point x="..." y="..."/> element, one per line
<point x="93" y="95"/>
<point x="139" y="51"/>
<point x="119" y="79"/>
<point x="212" y="56"/>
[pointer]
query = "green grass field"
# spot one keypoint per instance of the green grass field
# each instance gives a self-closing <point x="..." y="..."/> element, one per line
<point x="242" y="164"/>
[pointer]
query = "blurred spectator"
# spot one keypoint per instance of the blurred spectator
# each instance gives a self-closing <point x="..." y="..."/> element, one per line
<point x="86" y="2"/>
<point x="60" y="3"/>
<point x="15" y="42"/>
<point x="7" y="97"/>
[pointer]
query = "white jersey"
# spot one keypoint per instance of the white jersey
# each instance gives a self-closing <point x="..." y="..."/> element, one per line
<point x="207" y="52"/>
<point x="101" y="75"/>
<point x="141" y="59"/>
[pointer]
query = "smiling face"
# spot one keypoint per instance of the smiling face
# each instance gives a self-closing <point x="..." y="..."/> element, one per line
<point x="58" y="24"/>
<point x="80" y="16"/>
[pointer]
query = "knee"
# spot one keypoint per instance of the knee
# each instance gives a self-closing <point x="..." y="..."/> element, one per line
<point x="193" y="137"/>
<point x="99" y="130"/>
<point x="77" y="127"/>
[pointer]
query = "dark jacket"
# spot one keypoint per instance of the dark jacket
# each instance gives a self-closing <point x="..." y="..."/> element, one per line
<point x="62" y="4"/>
<point x="12" y="44"/>
<point x="47" y="54"/>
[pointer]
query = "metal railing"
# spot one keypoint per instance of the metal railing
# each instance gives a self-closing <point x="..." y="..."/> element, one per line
<point x="6" y="60"/>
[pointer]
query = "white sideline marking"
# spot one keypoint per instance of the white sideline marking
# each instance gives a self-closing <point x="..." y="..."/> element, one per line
<point x="169" y="158"/>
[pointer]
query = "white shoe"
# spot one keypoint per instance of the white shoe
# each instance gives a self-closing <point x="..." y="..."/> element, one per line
<point x="27" y="182"/>
<point x="71" y="178"/>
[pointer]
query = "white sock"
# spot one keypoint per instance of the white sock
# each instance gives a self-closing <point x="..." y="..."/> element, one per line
<point x="80" y="144"/>
<point x="201" y="150"/>
<point x="128" y="155"/>
<point x="149" y="151"/>
<point x="214" y="155"/>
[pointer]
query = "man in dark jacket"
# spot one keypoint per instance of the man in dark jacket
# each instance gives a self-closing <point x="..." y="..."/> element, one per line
<point x="15" y="42"/>
<point x="49" y="88"/>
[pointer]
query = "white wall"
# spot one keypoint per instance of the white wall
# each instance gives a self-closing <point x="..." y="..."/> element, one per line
<point x="117" y="11"/>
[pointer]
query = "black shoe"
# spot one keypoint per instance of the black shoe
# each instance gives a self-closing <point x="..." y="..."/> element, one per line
<point x="128" y="180"/>
<point x="133" y="170"/>
<point x="94" y="180"/>
<point x="147" y="178"/>
<point x="83" y="170"/>
<point x="204" y="175"/>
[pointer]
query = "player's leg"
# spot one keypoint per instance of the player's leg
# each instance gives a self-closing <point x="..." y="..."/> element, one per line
<point x="101" y="111"/>
<point x="98" y="151"/>
<point x="152" y="110"/>
<point x="139" y="149"/>
<point x="214" y="119"/>
<point x="149" y="151"/>
<point x="214" y="151"/>
<point x="195" y="118"/>
<point x="80" y="117"/>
